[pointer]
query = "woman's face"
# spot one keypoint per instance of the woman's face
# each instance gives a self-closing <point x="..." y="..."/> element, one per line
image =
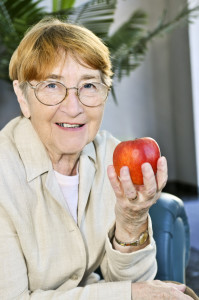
<point x="48" y="120"/>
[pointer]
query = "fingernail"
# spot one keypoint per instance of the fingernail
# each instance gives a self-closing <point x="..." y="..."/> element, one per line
<point x="124" y="170"/>
<point x="163" y="160"/>
<point x="145" y="167"/>
<point x="111" y="170"/>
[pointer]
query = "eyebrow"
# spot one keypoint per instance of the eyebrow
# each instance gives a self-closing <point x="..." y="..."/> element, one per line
<point x="54" y="76"/>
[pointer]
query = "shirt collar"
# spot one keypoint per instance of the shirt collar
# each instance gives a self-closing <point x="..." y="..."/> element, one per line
<point x="89" y="150"/>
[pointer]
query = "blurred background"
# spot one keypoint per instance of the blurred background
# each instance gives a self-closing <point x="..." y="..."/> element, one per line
<point x="159" y="98"/>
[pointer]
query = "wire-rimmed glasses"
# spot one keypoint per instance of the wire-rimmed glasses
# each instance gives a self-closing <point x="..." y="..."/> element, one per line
<point x="52" y="93"/>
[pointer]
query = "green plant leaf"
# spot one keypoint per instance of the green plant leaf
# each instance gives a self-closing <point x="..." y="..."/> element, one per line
<point x="96" y="15"/>
<point x="59" y="5"/>
<point x="122" y="43"/>
<point x="15" y="18"/>
<point x="129" y="43"/>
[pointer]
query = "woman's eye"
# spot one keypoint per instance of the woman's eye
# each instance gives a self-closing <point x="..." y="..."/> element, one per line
<point x="51" y="85"/>
<point x="89" y="85"/>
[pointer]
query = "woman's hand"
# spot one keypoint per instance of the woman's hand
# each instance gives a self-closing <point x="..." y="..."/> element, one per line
<point x="158" y="290"/>
<point x="133" y="202"/>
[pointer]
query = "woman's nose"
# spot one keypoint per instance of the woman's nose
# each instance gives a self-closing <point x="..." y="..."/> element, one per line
<point x="71" y="103"/>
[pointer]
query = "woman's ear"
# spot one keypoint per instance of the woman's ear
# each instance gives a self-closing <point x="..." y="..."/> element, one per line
<point x="21" y="99"/>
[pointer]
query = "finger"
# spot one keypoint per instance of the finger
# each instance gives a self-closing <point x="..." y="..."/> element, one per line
<point x="115" y="183"/>
<point x="149" y="181"/>
<point x="127" y="185"/>
<point x="180" y="287"/>
<point x="162" y="173"/>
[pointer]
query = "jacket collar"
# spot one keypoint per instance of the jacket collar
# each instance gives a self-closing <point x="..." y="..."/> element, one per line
<point x="33" y="153"/>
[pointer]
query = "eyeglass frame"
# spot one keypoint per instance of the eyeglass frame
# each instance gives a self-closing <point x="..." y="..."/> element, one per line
<point x="34" y="87"/>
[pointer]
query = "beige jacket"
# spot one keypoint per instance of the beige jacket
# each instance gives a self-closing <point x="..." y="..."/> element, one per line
<point x="44" y="254"/>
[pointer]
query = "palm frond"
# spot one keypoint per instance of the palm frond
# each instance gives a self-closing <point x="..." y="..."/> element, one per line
<point x="130" y="43"/>
<point x="184" y="16"/>
<point x="15" y="18"/>
<point x="123" y="41"/>
<point x="96" y="15"/>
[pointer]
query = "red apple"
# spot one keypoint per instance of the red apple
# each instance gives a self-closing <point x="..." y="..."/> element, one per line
<point x="133" y="154"/>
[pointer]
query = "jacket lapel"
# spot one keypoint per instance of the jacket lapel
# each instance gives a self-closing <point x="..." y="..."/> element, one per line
<point x="53" y="187"/>
<point x="87" y="171"/>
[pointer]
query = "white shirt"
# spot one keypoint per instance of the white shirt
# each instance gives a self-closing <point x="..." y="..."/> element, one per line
<point x="69" y="187"/>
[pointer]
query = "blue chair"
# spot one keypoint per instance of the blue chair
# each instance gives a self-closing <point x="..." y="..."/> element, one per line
<point x="172" y="236"/>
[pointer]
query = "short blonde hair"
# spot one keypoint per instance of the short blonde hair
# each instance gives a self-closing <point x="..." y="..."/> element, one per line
<point x="41" y="46"/>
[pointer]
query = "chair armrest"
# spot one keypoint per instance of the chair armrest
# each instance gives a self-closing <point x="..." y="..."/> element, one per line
<point x="172" y="236"/>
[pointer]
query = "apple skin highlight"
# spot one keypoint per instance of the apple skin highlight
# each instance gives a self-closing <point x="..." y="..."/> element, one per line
<point x="133" y="154"/>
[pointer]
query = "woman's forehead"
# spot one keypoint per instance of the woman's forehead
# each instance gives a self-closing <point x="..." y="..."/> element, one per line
<point x="69" y="66"/>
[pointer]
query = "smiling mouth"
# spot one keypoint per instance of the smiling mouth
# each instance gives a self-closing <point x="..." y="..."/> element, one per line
<point x="66" y="125"/>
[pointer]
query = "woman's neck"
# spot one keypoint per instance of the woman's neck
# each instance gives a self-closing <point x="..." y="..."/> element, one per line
<point x="66" y="164"/>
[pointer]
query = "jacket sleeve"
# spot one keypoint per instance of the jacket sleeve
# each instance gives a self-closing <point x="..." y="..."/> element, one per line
<point x="140" y="265"/>
<point x="14" y="277"/>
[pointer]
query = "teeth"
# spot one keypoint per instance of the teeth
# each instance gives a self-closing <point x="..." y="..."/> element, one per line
<point x="69" y="125"/>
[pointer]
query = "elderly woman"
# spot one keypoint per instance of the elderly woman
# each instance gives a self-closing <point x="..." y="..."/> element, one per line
<point x="61" y="204"/>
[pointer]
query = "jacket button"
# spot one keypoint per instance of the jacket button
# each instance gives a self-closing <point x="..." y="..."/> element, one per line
<point x="74" y="277"/>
